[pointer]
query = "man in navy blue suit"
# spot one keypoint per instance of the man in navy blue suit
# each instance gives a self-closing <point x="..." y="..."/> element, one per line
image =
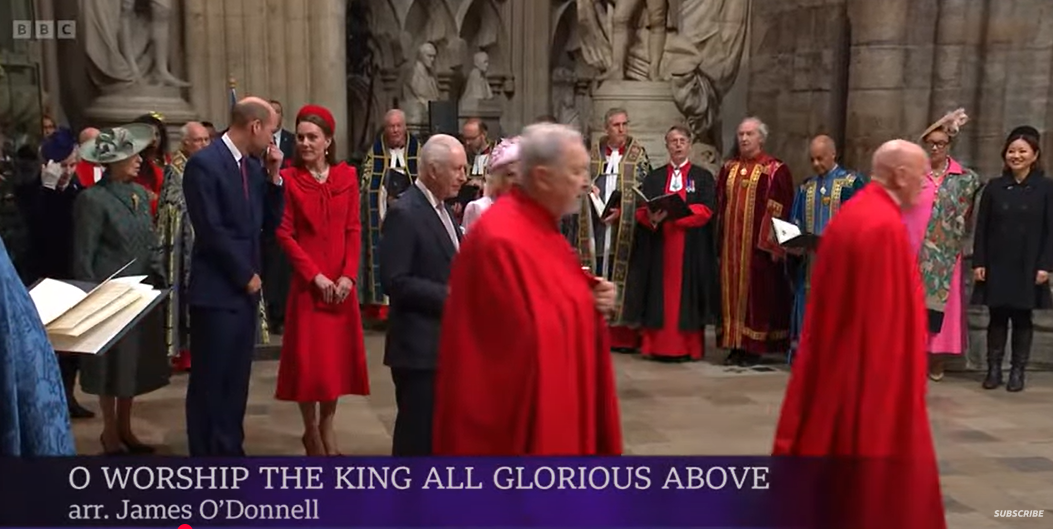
<point x="418" y="241"/>
<point x="231" y="196"/>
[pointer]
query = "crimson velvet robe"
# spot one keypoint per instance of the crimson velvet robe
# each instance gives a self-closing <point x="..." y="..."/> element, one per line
<point x="755" y="288"/>
<point x="323" y="349"/>
<point x="524" y="364"/>
<point x="859" y="378"/>
<point x="672" y="290"/>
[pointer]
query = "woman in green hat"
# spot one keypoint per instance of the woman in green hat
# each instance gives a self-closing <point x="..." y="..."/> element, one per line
<point x="113" y="225"/>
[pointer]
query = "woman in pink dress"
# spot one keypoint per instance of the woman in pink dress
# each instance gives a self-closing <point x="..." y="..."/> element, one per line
<point x="938" y="228"/>
<point x="323" y="350"/>
<point x="501" y="172"/>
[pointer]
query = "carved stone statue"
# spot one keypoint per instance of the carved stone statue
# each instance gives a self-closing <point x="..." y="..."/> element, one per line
<point x="624" y="15"/>
<point x="608" y="48"/>
<point x="564" y="101"/>
<point x="422" y="85"/>
<point x="478" y="86"/>
<point x="127" y="39"/>
<point x="700" y="60"/>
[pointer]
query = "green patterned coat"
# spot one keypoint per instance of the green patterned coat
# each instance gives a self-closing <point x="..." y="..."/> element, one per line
<point x="112" y="225"/>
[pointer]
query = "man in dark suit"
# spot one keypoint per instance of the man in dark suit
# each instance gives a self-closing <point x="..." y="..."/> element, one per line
<point x="284" y="139"/>
<point x="277" y="271"/>
<point x="418" y="242"/>
<point x="231" y="195"/>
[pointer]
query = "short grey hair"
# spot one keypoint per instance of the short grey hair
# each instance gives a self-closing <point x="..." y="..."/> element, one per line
<point x="394" y="113"/>
<point x="545" y="144"/>
<point x="762" y="127"/>
<point x="436" y="150"/>
<point x="184" y="131"/>
<point x="613" y="112"/>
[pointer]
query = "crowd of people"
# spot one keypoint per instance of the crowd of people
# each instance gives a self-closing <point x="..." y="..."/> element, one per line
<point x="546" y="247"/>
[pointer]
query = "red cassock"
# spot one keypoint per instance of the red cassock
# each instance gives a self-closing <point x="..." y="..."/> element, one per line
<point x="859" y="378"/>
<point x="86" y="173"/>
<point x="153" y="183"/>
<point x="323" y="349"/>
<point x="670" y="340"/>
<point x="524" y="357"/>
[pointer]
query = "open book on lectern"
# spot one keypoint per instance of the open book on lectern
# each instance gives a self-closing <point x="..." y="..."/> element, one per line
<point x="789" y="235"/>
<point x="83" y="317"/>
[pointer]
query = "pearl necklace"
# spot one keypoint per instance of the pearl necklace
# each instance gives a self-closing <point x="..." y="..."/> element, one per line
<point x="942" y="172"/>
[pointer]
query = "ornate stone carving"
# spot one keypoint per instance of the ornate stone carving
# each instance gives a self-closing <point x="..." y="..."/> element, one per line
<point x="477" y="88"/>
<point x="698" y="62"/>
<point x="623" y="25"/>
<point x="422" y="85"/>
<point x="564" y="98"/>
<point x="126" y="43"/>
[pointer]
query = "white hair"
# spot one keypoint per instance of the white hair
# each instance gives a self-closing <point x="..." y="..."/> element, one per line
<point x="394" y="113"/>
<point x="545" y="144"/>
<point x="184" y="131"/>
<point x="438" y="149"/>
<point x="762" y="127"/>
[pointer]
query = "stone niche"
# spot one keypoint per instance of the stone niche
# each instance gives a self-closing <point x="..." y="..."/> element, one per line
<point x="481" y="87"/>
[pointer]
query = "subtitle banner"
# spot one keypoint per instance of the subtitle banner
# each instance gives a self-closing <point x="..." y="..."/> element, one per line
<point x="705" y="492"/>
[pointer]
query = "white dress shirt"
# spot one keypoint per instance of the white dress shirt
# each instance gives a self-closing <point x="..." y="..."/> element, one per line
<point x="237" y="153"/>
<point x="440" y="209"/>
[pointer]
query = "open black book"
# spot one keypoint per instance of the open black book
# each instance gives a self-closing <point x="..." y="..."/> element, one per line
<point x="604" y="210"/>
<point x="395" y="183"/>
<point x="789" y="235"/>
<point x="672" y="204"/>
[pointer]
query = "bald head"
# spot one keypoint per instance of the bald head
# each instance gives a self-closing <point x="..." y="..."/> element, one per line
<point x="823" y="154"/>
<point x="900" y="167"/>
<point x="443" y="166"/>
<point x="253" y="123"/>
<point x="88" y="134"/>
<point x="249" y="110"/>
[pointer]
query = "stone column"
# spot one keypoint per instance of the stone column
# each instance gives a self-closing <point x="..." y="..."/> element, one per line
<point x="530" y="24"/>
<point x="289" y="50"/>
<point x="45" y="10"/>
<point x="877" y="98"/>
<point x="327" y="24"/>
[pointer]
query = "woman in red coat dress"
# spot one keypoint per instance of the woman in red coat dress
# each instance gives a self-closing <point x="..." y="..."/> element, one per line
<point x="323" y="350"/>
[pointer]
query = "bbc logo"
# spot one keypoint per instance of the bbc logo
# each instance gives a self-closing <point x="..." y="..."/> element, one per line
<point x="45" y="29"/>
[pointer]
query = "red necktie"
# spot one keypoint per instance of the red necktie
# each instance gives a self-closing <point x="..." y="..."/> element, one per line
<point x="245" y="178"/>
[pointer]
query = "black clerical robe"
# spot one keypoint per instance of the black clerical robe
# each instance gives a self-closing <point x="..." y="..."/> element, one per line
<point x="649" y="275"/>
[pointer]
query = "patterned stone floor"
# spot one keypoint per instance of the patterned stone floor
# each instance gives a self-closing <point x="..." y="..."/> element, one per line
<point x="996" y="448"/>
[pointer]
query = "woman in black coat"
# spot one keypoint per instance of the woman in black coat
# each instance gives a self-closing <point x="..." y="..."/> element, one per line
<point x="1013" y="254"/>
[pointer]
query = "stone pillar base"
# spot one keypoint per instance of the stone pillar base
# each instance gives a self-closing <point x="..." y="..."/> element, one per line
<point x="651" y="113"/>
<point x="122" y="107"/>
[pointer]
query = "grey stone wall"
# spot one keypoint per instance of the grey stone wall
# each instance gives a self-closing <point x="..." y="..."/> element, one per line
<point x="797" y="74"/>
<point x="908" y="62"/>
<point x="867" y="71"/>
